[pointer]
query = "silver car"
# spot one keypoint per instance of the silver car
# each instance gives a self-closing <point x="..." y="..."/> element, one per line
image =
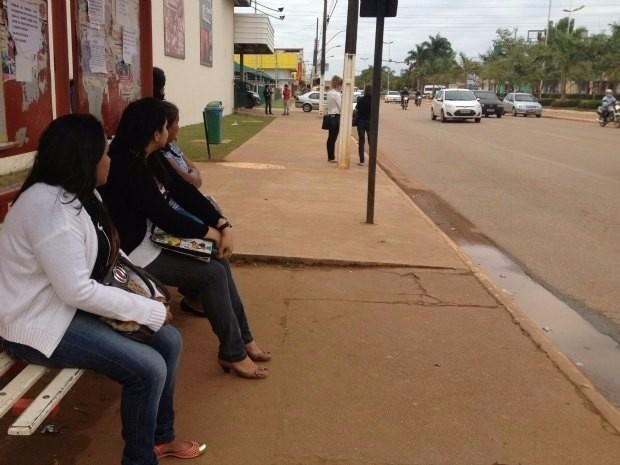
<point x="310" y="101"/>
<point x="522" y="104"/>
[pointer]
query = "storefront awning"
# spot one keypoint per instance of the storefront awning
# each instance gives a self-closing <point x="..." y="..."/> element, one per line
<point x="253" y="33"/>
<point x="253" y="74"/>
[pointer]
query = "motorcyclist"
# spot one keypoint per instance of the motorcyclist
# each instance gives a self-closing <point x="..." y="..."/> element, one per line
<point x="607" y="104"/>
<point x="403" y="92"/>
<point x="418" y="96"/>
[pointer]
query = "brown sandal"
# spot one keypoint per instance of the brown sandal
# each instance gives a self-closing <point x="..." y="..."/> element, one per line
<point x="194" y="451"/>
<point x="258" y="373"/>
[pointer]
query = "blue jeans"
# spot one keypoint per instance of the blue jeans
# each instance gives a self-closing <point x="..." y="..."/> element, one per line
<point x="213" y="284"/>
<point x="147" y="374"/>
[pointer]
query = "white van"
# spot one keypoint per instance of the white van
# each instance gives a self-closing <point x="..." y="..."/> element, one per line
<point x="431" y="89"/>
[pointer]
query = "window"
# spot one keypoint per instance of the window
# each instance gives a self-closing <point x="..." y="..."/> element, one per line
<point x="460" y="95"/>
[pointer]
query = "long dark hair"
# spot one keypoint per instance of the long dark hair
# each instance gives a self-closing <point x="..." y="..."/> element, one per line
<point x="67" y="156"/>
<point x="140" y="120"/>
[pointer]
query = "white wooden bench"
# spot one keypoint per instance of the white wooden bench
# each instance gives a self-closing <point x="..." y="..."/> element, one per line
<point x="29" y="421"/>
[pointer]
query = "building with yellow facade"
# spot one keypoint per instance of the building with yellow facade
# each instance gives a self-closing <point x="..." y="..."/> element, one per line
<point x="285" y="65"/>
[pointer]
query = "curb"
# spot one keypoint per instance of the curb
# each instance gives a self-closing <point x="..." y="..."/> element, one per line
<point x="581" y="382"/>
<point x="242" y="258"/>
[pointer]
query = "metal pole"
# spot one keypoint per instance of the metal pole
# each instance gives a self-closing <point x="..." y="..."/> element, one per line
<point x="322" y="93"/>
<point x="374" y="114"/>
<point x="348" y="77"/>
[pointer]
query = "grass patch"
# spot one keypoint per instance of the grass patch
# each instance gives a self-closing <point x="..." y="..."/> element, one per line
<point x="191" y="139"/>
<point x="13" y="178"/>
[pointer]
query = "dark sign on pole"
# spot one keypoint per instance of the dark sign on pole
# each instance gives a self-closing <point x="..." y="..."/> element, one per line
<point x="369" y="8"/>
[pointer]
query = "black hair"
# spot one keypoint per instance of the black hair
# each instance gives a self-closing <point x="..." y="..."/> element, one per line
<point x="140" y="120"/>
<point x="159" y="82"/>
<point x="67" y="156"/>
<point x="172" y="113"/>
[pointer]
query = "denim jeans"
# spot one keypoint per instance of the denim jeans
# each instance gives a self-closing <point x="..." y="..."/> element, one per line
<point x="212" y="283"/>
<point x="363" y="128"/>
<point x="334" y="129"/>
<point x="147" y="374"/>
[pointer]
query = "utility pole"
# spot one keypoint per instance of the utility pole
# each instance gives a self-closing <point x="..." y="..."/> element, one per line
<point x="316" y="52"/>
<point x="348" y="79"/>
<point x="322" y="93"/>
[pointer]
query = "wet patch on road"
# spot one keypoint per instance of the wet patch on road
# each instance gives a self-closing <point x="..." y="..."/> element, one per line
<point x="586" y="337"/>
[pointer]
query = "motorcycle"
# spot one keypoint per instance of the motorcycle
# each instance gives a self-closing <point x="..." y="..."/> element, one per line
<point x="613" y="115"/>
<point x="418" y="100"/>
<point x="405" y="102"/>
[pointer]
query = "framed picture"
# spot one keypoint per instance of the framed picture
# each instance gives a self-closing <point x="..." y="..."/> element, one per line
<point x="206" y="32"/>
<point x="174" y="28"/>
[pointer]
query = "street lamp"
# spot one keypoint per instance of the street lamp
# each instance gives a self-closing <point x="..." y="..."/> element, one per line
<point x="389" y="60"/>
<point x="570" y="10"/>
<point x="332" y="38"/>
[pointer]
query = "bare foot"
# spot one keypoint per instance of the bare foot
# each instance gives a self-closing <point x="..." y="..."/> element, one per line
<point x="256" y="354"/>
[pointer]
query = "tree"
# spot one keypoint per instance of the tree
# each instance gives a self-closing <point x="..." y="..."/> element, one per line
<point x="568" y="48"/>
<point x="432" y="60"/>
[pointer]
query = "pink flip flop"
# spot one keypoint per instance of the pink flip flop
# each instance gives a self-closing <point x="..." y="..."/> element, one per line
<point x="194" y="451"/>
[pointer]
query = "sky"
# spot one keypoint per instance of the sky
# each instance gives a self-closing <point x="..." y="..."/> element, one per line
<point x="470" y="27"/>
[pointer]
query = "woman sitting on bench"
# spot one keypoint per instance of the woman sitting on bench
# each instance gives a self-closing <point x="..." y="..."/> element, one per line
<point x="137" y="195"/>
<point x="56" y="243"/>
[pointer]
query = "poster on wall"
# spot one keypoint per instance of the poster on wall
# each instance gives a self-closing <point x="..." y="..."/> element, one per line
<point x="206" y="32"/>
<point x="174" y="28"/>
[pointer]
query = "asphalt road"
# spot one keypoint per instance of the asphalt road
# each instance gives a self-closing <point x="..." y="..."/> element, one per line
<point x="545" y="191"/>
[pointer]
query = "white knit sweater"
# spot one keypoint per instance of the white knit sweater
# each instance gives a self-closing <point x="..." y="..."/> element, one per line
<point x="48" y="249"/>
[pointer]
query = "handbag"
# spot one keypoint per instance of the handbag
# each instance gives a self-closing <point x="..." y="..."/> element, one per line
<point x="201" y="249"/>
<point x="125" y="275"/>
<point x="325" y="124"/>
<point x="354" y="118"/>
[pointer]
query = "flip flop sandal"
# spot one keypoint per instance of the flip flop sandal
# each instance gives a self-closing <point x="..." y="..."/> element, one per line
<point x="194" y="451"/>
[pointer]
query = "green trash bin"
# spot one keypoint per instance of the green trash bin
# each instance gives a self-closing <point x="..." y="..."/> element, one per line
<point x="213" y="112"/>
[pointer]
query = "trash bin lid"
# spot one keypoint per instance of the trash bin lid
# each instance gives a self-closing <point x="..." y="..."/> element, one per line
<point x="215" y="105"/>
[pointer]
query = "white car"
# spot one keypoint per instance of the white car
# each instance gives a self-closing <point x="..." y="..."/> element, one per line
<point x="522" y="104"/>
<point x="393" y="96"/>
<point x="455" y="104"/>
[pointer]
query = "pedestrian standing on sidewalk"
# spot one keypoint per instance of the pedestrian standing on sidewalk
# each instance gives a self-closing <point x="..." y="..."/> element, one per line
<point x="59" y="240"/>
<point x="286" y="95"/>
<point x="334" y="102"/>
<point x="267" y="92"/>
<point x="137" y="194"/>
<point x="363" y="121"/>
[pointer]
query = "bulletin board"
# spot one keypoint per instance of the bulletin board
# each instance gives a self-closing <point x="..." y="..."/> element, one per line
<point x="107" y="71"/>
<point x="25" y="94"/>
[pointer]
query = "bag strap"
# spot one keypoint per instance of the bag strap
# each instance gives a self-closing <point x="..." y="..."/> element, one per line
<point x="150" y="281"/>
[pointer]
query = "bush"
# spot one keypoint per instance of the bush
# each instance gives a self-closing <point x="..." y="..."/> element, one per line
<point x="559" y="103"/>
<point x="545" y="102"/>
<point x="589" y="105"/>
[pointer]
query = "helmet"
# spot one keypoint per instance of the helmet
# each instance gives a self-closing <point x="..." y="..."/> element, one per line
<point x="405" y="88"/>
<point x="609" y="92"/>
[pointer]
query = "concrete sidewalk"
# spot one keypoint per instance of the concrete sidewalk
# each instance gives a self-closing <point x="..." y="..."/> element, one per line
<point x="390" y="347"/>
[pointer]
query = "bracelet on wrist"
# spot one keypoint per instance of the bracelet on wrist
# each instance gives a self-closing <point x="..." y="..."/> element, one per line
<point x="223" y="226"/>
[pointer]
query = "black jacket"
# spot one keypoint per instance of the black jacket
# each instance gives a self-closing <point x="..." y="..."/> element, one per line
<point x="132" y="196"/>
<point x="363" y="108"/>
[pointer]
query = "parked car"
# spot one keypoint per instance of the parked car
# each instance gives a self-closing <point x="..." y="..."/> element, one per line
<point x="310" y="101"/>
<point x="491" y="104"/>
<point x="254" y="98"/>
<point x="455" y="104"/>
<point x="393" y="96"/>
<point x="522" y="104"/>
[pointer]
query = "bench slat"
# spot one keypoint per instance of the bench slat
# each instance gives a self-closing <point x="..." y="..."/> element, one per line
<point x="14" y="391"/>
<point x="34" y="415"/>
<point x="6" y="362"/>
